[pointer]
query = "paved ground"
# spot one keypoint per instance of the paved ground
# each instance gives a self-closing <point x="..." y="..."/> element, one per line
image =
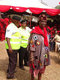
<point x="52" y="72"/>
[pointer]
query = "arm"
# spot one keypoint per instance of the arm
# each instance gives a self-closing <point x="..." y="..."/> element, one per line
<point x="58" y="41"/>
<point x="8" y="36"/>
<point x="54" y="39"/>
<point x="9" y="45"/>
<point x="31" y="57"/>
<point x="31" y="47"/>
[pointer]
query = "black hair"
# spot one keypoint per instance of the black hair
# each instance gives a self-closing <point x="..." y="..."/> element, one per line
<point x="16" y="18"/>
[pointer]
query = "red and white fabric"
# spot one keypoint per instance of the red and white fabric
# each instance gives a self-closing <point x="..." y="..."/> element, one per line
<point x="22" y="5"/>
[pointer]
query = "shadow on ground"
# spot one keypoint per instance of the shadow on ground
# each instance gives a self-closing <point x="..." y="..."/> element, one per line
<point x="19" y="75"/>
<point x="56" y="58"/>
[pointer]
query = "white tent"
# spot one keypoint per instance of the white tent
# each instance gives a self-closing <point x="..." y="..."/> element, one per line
<point x="22" y="5"/>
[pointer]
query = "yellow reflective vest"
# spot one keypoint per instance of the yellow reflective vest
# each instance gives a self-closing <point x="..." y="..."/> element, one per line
<point x="14" y="41"/>
<point x="25" y="34"/>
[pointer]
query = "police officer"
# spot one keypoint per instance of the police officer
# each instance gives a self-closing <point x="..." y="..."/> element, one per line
<point x="12" y="45"/>
<point x="23" y="54"/>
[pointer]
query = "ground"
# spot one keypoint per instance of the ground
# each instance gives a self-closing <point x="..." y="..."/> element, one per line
<point x="52" y="72"/>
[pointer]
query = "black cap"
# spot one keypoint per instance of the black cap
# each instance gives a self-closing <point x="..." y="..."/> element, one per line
<point x="22" y="21"/>
<point x="16" y="18"/>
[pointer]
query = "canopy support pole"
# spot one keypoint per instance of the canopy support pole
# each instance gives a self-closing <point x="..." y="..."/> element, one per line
<point x="30" y="19"/>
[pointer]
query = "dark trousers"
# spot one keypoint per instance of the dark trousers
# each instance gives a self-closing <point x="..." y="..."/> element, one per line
<point x="52" y="46"/>
<point x="23" y="55"/>
<point x="12" y="61"/>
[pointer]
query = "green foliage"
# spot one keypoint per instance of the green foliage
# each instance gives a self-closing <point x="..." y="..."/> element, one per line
<point x="57" y="7"/>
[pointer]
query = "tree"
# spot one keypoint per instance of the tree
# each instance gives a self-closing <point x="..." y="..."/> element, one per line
<point x="57" y="7"/>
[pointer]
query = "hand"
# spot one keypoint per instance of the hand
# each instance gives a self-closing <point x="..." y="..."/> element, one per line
<point x="31" y="57"/>
<point x="10" y="50"/>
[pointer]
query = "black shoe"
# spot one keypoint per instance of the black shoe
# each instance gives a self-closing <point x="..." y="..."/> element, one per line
<point x="26" y="65"/>
<point x="10" y="76"/>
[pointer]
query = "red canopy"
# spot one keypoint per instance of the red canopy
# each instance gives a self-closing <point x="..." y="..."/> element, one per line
<point x="51" y="12"/>
<point x="4" y="8"/>
<point x="21" y="6"/>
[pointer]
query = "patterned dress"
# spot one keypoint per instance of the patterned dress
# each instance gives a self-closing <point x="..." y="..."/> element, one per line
<point x="40" y="53"/>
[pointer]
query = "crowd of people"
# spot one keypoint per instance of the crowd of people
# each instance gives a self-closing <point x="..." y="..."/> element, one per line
<point x="54" y="37"/>
<point x="32" y="44"/>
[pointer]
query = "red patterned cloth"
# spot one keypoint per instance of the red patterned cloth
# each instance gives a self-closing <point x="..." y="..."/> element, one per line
<point x="3" y="26"/>
<point x="35" y="72"/>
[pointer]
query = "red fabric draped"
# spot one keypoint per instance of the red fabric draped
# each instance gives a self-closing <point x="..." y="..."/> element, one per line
<point x="59" y="11"/>
<point x="4" y="8"/>
<point x="19" y="9"/>
<point x="52" y="12"/>
<point x="36" y="10"/>
<point x="38" y="30"/>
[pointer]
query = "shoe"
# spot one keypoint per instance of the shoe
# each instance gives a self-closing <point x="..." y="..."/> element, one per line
<point x="26" y="65"/>
<point x="10" y="76"/>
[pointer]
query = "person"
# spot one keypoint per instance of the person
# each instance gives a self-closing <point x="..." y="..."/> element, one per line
<point x="49" y="35"/>
<point x="38" y="48"/>
<point x="23" y="53"/>
<point x="57" y="41"/>
<point x="52" y="43"/>
<point x="12" y="43"/>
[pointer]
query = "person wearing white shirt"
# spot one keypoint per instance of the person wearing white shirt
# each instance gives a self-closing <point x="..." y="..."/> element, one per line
<point x="11" y="45"/>
<point x="23" y="53"/>
<point x="57" y="41"/>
